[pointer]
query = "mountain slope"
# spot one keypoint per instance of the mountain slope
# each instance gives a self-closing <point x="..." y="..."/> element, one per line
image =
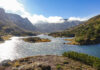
<point x="21" y="22"/>
<point x="9" y="24"/>
<point x="86" y="33"/>
<point x="89" y="33"/>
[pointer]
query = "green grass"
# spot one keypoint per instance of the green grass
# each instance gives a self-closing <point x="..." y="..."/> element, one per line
<point x="59" y="66"/>
<point x="84" y="58"/>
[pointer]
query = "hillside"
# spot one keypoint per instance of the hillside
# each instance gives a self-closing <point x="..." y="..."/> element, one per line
<point x="89" y="32"/>
<point x="21" y="22"/>
<point x="86" y="33"/>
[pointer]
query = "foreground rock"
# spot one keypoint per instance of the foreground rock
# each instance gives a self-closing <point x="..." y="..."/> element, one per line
<point x="35" y="39"/>
<point x="49" y="62"/>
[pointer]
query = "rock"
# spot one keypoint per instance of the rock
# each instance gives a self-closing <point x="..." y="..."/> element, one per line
<point x="49" y="62"/>
<point x="45" y="67"/>
<point x="6" y="63"/>
<point x="66" y="62"/>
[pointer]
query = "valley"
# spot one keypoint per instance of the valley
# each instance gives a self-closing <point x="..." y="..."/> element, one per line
<point x="49" y="46"/>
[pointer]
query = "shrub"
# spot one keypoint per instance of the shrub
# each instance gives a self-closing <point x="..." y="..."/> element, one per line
<point x="85" y="58"/>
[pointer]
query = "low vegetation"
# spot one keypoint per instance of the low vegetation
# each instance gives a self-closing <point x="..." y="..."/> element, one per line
<point x="6" y="37"/>
<point x="84" y="58"/>
<point x="62" y="34"/>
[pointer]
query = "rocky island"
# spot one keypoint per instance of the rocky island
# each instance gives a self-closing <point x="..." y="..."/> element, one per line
<point x="35" y="39"/>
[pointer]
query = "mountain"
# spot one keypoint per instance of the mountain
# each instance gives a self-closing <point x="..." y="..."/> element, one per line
<point x="14" y="24"/>
<point x="89" y="32"/>
<point x="21" y="22"/>
<point x="53" y="27"/>
<point x="86" y="33"/>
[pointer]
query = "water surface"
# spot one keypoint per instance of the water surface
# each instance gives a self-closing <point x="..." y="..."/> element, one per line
<point x="17" y="48"/>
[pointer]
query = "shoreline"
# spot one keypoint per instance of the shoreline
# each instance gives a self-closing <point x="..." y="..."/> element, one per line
<point x="71" y="42"/>
<point x="5" y="38"/>
<point x="47" y="62"/>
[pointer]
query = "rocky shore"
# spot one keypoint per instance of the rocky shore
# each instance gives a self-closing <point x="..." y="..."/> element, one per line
<point x="48" y="62"/>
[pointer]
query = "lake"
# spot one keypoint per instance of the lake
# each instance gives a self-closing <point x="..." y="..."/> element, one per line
<point x="17" y="48"/>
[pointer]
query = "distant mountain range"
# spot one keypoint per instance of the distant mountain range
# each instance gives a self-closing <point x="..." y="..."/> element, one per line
<point x="53" y="27"/>
<point x="14" y="24"/>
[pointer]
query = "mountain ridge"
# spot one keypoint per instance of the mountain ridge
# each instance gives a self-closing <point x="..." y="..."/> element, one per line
<point x="53" y="27"/>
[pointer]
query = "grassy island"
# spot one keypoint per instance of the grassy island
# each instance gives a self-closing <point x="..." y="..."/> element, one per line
<point x="35" y="39"/>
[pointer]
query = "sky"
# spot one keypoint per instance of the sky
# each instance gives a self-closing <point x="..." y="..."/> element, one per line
<point x="52" y="11"/>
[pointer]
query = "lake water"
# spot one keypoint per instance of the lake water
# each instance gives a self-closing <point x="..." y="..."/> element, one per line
<point x="17" y="48"/>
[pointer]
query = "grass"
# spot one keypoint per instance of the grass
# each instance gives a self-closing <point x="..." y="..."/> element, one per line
<point x="59" y="66"/>
<point x="84" y="58"/>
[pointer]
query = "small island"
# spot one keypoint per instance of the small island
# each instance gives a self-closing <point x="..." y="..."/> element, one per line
<point x="35" y="39"/>
<point x="72" y="42"/>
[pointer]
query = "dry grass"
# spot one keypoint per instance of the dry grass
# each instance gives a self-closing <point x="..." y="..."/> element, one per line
<point x="6" y="37"/>
<point x="72" y="42"/>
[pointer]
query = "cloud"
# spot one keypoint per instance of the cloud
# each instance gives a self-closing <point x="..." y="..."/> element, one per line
<point x="43" y="19"/>
<point x="15" y="6"/>
<point x="78" y="19"/>
<point x="12" y="5"/>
